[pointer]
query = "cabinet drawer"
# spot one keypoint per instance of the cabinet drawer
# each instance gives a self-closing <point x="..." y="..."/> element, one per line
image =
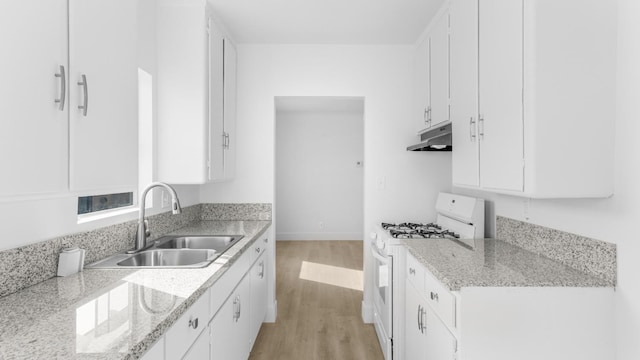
<point x="440" y="299"/>
<point x="415" y="272"/>
<point x="186" y="330"/>
<point x="221" y="289"/>
<point x="259" y="247"/>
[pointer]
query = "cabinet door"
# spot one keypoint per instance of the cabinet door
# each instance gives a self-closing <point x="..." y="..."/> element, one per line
<point x="230" y="105"/>
<point x="415" y="336"/>
<point x="33" y="139"/>
<point x="421" y="73"/>
<point x="440" y="343"/>
<point x="200" y="348"/>
<point x="501" y="86"/>
<point x="463" y="17"/>
<point x="104" y="134"/>
<point x="440" y="70"/>
<point x="231" y="325"/>
<point x="216" y="108"/>
<point x="258" y="295"/>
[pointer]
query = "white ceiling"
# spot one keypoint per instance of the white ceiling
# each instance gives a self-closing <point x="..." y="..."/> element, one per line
<point x="325" y="21"/>
<point x="343" y="104"/>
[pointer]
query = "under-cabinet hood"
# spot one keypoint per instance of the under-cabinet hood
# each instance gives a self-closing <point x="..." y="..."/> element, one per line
<point x="437" y="138"/>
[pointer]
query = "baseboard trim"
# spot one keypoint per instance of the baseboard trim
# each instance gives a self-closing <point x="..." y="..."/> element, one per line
<point x="367" y="313"/>
<point x="272" y="312"/>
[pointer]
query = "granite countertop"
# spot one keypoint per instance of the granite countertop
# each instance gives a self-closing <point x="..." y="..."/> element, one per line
<point x="494" y="263"/>
<point x="112" y="313"/>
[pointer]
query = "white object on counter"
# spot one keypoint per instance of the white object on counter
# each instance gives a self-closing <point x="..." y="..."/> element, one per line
<point x="71" y="261"/>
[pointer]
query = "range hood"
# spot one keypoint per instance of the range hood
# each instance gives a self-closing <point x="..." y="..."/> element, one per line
<point x="437" y="138"/>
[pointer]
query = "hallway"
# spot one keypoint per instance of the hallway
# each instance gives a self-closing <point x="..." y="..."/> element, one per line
<point x="319" y="292"/>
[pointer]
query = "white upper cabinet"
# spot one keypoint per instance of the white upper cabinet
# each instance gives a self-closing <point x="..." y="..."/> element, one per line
<point x="48" y="144"/>
<point x="439" y="36"/>
<point x="230" y="106"/>
<point x="103" y="88"/>
<point x="217" y="138"/>
<point x="422" y="84"/>
<point x="544" y="129"/>
<point x="500" y="120"/>
<point x="431" y="74"/>
<point x="194" y="75"/>
<point x="33" y="140"/>
<point x="463" y="20"/>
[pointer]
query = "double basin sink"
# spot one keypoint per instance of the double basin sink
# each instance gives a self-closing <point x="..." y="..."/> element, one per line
<point x="175" y="251"/>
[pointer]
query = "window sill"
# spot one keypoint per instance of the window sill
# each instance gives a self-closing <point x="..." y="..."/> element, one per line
<point x="106" y="214"/>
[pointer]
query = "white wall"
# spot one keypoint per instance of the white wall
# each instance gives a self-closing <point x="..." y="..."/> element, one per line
<point x="614" y="219"/>
<point x="380" y="74"/>
<point x="33" y="219"/>
<point x="319" y="186"/>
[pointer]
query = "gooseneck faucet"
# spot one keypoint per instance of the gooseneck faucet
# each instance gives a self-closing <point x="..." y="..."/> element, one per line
<point x="141" y="236"/>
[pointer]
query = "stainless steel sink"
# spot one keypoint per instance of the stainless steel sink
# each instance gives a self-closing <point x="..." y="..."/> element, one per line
<point x="174" y="251"/>
<point x="218" y="243"/>
<point x="170" y="258"/>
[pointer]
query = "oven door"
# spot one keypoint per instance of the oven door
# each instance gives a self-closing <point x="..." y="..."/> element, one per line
<point x="382" y="298"/>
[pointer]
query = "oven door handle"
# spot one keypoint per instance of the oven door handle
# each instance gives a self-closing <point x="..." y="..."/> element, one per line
<point x="382" y="259"/>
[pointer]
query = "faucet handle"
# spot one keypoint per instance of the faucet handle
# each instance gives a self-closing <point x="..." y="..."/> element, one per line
<point x="147" y="231"/>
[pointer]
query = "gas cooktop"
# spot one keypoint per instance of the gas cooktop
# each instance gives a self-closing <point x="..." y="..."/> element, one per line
<point x="418" y="231"/>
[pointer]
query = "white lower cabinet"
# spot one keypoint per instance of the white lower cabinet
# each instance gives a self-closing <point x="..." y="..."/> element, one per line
<point x="505" y="323"/>
<point x="426" y="335"/>
<point x="224" y="322"/>
<point x="441" y="344"/>
<point x="200" y="349"/>
<point x="258" y="296"/>
<point x="415" y="337"/>
<point x="231" y="325"/>
<point x="187" y="329"/>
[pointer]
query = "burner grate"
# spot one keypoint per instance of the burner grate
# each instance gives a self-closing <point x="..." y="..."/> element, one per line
<point x="418" y="231"/>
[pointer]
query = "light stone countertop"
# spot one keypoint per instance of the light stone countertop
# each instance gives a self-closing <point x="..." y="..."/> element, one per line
<point x="112" y="313"/>
<point x="494" y="263"/>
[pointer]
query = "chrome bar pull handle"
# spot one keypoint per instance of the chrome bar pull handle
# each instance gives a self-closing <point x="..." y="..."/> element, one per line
<point x="85" y="88"/>
<point x="419" y="325"/>
<point x="63" y="88"/>
<point x="423" y="320"/>
<point x="472" y="126"/>
<point x="236" y="307"/>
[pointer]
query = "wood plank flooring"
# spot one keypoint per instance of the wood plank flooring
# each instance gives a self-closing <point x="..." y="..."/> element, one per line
<point x="318" y="318"/>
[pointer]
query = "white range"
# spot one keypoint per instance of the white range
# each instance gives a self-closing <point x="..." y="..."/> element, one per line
<point x="459" y="218"/>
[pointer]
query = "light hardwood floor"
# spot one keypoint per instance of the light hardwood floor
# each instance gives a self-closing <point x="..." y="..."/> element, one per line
<point x="318" y="318"/>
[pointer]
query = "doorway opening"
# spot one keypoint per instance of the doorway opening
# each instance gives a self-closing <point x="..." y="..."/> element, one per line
<point x="319" y="168"/>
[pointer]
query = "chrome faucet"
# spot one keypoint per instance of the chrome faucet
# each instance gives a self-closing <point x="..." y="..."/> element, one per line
<point x="143" y="232"/>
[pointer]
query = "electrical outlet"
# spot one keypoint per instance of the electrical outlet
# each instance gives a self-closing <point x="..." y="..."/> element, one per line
<point x="381" y="182"/>
<point x="165" y="199"/>
<point x="321" y="225"/>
